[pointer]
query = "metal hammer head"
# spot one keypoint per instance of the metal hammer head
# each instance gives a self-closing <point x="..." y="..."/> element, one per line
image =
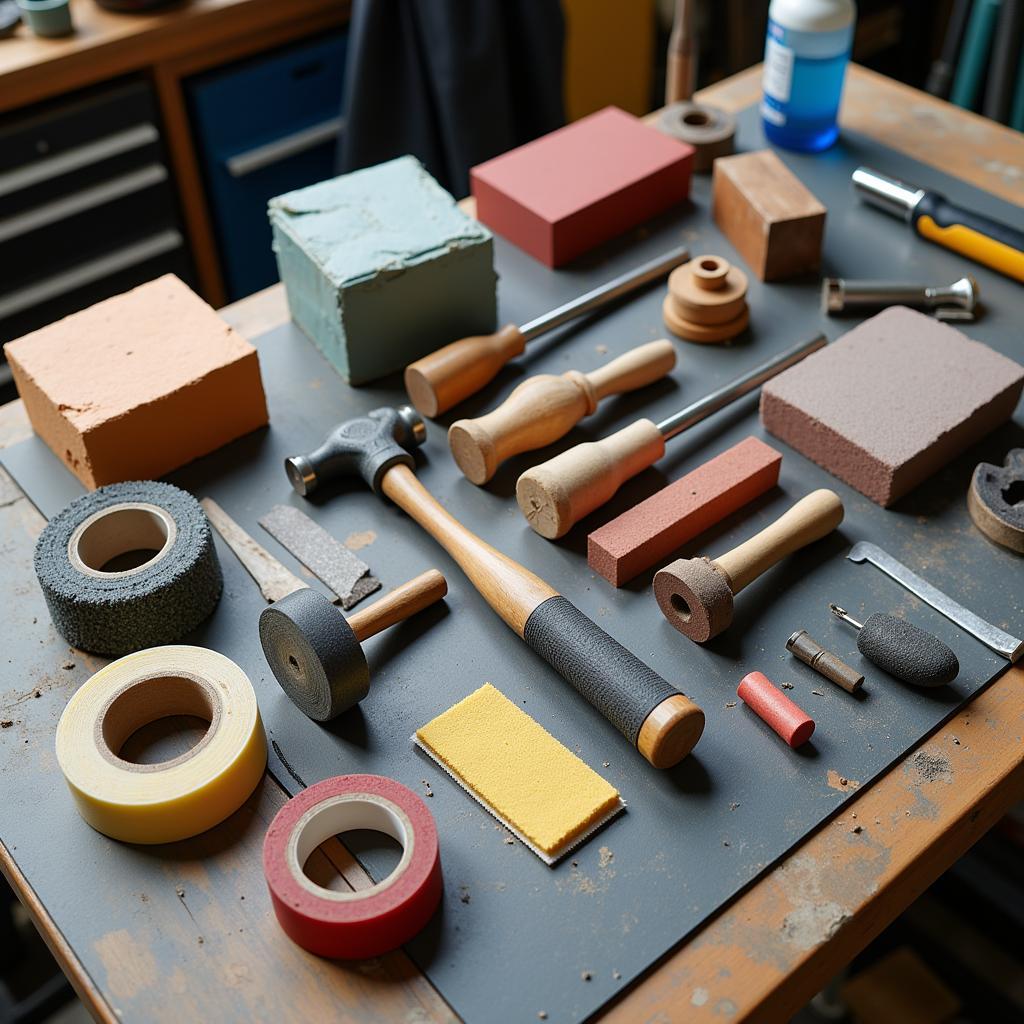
<point x="367" y="445"/>
<point x="695" y="596"/>
<point x="314" y="654"/>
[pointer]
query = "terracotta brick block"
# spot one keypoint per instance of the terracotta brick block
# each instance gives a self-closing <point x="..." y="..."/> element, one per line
<point x="139" y="384"/>
<point x="774" y="222"/>
<point x="649" y="532"/>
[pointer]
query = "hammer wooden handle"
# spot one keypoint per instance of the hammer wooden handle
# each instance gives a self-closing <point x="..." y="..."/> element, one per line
<point x="557" y="494"/>
<point x="662" y="723"/>
<point x="401" y="603"/>
<point x="544" y="408"/>
<point x="811" y="518"/>
<point x="444" y="378"/>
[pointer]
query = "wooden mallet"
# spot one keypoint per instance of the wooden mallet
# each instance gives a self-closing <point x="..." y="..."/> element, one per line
<point x="316" y="653"/>
<point x="696" y="594"/>
<point x="546" y="407"/>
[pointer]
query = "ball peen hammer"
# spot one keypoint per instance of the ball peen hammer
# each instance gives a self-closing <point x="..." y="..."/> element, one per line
<point x="653" y="715"/>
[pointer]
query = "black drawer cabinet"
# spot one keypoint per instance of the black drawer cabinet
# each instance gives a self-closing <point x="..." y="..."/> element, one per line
<point x="87" y="207"/>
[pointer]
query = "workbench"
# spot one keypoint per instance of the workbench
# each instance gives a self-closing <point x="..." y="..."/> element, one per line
<point x="748" y="963"/>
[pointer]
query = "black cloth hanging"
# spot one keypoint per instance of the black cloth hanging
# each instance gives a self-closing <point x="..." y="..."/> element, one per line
<point x="454" y="82"/>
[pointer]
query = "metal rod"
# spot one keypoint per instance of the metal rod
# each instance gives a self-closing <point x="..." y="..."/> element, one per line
<point x="889" y="194"/>
<point x="842" y="613"/>
<point x="605" y="293"/>
<point x="720" y="398"/>
<point x="996" y="639"/>
<point x="839" y="294"/>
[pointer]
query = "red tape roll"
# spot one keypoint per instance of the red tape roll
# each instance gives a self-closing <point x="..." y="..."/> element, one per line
<point x="353" y="925"/>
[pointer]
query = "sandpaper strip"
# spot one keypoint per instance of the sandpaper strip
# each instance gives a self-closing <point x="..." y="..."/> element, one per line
<point x="328" y="559"/>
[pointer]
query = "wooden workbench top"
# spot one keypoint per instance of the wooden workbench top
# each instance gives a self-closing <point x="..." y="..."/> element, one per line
<point x="108" y="43"/>
<point x="769" y="951"/>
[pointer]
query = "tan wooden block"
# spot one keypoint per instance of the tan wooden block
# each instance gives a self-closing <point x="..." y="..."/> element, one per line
<point x="139" y="384"/>
<point x="772" y="219"/>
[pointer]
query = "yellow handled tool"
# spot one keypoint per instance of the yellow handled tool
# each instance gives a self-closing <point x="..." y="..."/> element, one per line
<point x="934" y="217"/>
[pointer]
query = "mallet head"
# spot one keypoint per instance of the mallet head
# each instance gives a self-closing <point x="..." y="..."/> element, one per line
<point x="695" y="596"/>
<point x="314" y="654"/>
<point x="367" y="445"/>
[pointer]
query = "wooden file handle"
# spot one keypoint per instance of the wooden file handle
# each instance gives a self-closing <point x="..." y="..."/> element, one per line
<point x="544" y="408"/>
<point x="402" y="603"/>
<point x="811" y="518"/>
<point x="444" y="378"/>
<point x="557" y="494"/>
<point x="654" y="716"/>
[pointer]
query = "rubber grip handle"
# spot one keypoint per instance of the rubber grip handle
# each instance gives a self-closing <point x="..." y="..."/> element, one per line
<point x="603" y="672"/>
<point x="971" y="234"/>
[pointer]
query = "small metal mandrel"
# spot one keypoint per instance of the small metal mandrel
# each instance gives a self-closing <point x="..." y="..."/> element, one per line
<point x="824" y="662"/>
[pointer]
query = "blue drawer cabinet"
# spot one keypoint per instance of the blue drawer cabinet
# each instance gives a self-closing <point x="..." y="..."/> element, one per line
<point x="262" y="127"/>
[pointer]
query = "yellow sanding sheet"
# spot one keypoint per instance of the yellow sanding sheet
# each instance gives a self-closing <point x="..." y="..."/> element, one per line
<point x="536" y="787"/>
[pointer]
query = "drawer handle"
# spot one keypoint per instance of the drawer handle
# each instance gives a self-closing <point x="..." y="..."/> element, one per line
<point x="79" y="202"/>
<point x="259" y="157"/>
<point x="74" y="159"/>
<point x="90" y="271"/>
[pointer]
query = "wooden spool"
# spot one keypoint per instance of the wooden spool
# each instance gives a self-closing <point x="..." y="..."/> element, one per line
<point x="706" y="300"/>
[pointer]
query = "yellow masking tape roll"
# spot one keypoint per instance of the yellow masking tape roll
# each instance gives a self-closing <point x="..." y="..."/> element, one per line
<point x="161" y="803"/>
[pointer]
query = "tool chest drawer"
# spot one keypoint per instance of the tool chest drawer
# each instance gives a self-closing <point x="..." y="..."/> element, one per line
<point x="87" y="207"/>
<point x="263" y="127"/>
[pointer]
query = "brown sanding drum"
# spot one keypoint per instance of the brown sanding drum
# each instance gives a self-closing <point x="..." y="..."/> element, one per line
<point x="710" y="130"/>
<point x="706" y="300"/>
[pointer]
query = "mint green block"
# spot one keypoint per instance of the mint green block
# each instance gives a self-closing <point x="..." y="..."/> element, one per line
<point x="382" y="267"/>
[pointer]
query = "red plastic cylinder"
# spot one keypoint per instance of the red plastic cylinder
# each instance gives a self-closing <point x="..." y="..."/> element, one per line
<point x="773" y="707"/>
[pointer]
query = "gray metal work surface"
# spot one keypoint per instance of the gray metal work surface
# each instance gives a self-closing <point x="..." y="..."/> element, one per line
<point x="514" y="936"/>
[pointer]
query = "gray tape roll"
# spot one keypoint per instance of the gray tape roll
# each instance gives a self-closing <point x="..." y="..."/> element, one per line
<point x="314" y="654"/>
<point x="104" y="595"/>
<point x="710" y="130"/>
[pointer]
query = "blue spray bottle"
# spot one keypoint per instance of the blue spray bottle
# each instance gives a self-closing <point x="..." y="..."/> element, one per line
<point x="806" y="52"/>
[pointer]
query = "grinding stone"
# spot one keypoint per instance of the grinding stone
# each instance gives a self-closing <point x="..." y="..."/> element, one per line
<point x="892" y="401"/>
<point x="907" y="652"/>
<point x="115" y="613"/>
<point x="314" y="654"/>
<point x="328" y="559"/>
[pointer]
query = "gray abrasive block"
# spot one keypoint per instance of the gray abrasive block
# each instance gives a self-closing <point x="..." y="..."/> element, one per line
<point x="328" y="559"/>
<point x="382" y="267"/>
<point x="891" y="401"/>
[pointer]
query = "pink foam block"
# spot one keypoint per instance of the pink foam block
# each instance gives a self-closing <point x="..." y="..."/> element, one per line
<point x="564" y="193"/>
<point x="647" y="533"/>
<point x="775" y="709"/>
<point x="892" y="401"/>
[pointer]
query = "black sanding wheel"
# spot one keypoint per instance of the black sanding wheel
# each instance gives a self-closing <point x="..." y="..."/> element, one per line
<point x="314" y="654"/>
<point x="129" y="566"/>
<point x="996" y="500"/>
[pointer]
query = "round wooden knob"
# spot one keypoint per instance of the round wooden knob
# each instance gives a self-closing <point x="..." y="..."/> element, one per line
<point x="707" y="300"/>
